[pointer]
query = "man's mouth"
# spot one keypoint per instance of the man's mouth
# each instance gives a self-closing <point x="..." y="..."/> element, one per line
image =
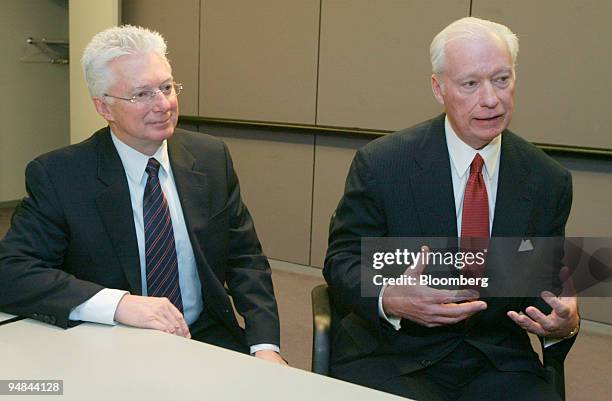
<point x="162" y="122"/>
<point x="491" y="118"/>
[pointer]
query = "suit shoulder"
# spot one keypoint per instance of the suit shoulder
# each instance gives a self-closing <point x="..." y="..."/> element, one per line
<point x="198" y="140"/>
<point x="534" y="156"/>
<point x="78" y="154"/>
<point x="403" y="142"/>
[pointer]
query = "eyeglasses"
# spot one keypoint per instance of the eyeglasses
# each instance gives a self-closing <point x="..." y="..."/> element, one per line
<point x="147" y="96"/>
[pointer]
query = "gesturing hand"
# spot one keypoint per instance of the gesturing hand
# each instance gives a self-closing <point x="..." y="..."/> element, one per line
<point x="428" y="306"/>
<point x="561" y="320"/>
<point x="151" y="313"/>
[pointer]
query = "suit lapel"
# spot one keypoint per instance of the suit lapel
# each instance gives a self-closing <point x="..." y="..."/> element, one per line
<point x="191" y="184"/>
<point x="514" y="189"/>
<point x="115" y="208"/>
<point x="432" y="184"/>
<point x="192" y="187"/>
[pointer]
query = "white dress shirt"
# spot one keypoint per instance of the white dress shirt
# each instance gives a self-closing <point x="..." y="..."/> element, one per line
<point x="101" y="307"/>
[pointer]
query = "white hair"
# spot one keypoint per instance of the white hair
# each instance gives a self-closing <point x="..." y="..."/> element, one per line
<point x="112" y="43"/>
<point x="470" y="28"/>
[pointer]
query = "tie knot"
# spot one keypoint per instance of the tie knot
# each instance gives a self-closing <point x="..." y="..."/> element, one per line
<point x="476" y="166"/>
<point x="152" y="168"/>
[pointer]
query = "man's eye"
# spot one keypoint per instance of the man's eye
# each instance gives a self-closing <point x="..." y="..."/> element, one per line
<point x="143" y="94"/>
<point x="470" y="84"/>
<point x="503" y="79"/>
<point x="166" y="88"/>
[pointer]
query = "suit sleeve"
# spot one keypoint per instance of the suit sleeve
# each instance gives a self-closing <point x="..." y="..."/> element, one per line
<point x="32" y="282"/>
<point x="559" y="350"/>
<point x="359" y="214"/>
<point x="249" y="276"/>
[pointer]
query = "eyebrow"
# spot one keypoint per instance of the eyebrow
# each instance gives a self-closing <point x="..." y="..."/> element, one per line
<point x="475" y="74"/>
<point x="148" y="86"/>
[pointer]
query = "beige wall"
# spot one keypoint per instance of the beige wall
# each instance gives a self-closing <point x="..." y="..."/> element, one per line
<point x="258" y="59"/>
<point x="87" y="17"/>
<point x="34" y="101"/>
<point x="179" y="24"/>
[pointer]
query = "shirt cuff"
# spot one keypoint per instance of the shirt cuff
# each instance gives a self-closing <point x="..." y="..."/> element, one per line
<point x="552" y="341"/>
<point x="100" y="308"/>
<point x="261" y="347"/>
<point x="392" y="320"/>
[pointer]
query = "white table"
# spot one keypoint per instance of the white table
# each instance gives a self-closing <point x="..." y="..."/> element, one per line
<point x="105" y="363"/>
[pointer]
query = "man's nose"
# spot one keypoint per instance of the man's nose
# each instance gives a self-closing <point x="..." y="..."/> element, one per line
<point x="488" y="96"/>
<point x="160" y="101"/>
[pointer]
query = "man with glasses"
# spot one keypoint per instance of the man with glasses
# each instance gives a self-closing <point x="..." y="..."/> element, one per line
<point x="142" y="223"/>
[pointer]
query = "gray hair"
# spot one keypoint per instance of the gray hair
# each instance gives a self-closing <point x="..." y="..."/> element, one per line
<point x="112" y="43"/>
<point x="470" y="28"/>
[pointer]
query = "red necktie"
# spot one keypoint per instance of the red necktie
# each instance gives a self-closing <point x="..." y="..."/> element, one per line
<point x="475" y="216"/>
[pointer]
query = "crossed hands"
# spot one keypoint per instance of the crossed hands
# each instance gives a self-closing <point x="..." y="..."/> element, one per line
<point x="428" y="306"/>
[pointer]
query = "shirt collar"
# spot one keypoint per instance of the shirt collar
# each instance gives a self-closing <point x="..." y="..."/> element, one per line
<point x="462" y="154"/>
<point x="135" y="162"/>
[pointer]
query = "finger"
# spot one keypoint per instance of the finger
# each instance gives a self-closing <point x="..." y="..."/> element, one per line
<point x="451" y="296"/>
<point x="462" y="310"/>
<point x="567" y="283"/>
<point x="527" y="324"/>
<point x="183" y="327"/>
<point x="443" y="321"/>
<point x="177" y="320"/>
<point x="440" y="319"/>
<point x="559" y="305"/>
<point x="461" y="295"/>
<point x="420" y="265"/>
<point x="169" y="315"/>
<point x="546" y="322"/>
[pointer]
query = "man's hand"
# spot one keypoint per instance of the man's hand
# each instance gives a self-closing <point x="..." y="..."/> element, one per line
<point x="272" y="356"/>
<point x="563" y="318"/>
<point x="151" y="313"/>
<point x="428" y="306"/>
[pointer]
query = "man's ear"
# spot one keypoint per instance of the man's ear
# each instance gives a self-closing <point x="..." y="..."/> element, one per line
<point x="102" y="108"/>
<point x="436" y="87"/>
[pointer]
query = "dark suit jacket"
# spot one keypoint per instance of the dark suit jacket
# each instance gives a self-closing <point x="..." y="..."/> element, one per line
<point x="401" y="186"/>
<point x="74" y="235"/>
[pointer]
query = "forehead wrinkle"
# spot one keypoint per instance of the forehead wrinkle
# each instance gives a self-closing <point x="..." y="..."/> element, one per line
<point x="467" y="58"/>
<point x="146" y="86"/>
<point x="484" y="72"/>
<point x="118" y="66"/>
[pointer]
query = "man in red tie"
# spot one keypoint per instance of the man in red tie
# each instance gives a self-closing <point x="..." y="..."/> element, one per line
<point x="461" y="174"/>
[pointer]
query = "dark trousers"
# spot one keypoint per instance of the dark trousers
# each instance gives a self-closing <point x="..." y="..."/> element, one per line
<point x="467" y="375"/>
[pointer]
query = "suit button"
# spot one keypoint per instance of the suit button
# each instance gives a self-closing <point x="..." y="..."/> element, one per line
<point x="52" y="321"/>
<point x="46" y="319"/>
<point x="35" y="315"/>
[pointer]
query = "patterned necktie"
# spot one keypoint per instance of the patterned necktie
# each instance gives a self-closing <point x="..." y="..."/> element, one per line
<point x="160" y="250"/>
<point x="475" y="217"/>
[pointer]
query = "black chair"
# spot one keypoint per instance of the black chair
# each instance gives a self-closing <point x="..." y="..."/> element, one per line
<point x="321" y="341"/>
